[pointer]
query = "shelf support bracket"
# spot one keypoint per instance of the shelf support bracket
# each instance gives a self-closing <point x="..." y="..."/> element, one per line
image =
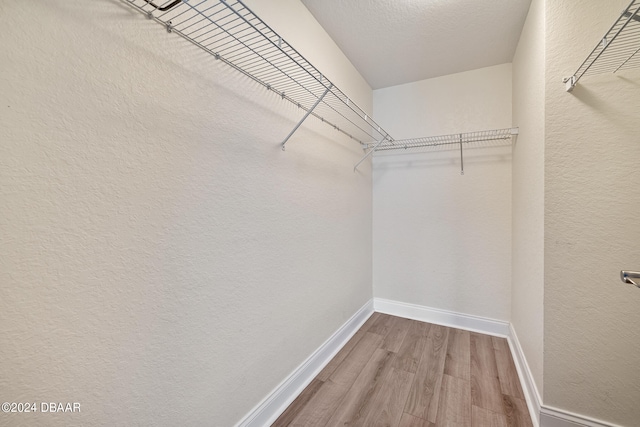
<point x="306" y="115"/>
<point x="569" y="83"/>
<point x="461" y="159"/>
<point x="369" y="153"/>
<point x="626" y="277"/>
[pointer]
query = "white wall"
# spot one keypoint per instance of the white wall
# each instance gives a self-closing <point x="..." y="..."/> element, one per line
<point x="162" y="261"/>
<point x="441" y="239"/>
<point x="527" y="283"/>
<point x="592" y="201"/>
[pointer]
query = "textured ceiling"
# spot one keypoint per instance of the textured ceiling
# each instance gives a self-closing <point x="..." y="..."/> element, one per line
<point x="393" y="42"/>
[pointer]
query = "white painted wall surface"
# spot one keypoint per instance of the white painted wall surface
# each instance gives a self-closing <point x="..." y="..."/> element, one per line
<point x="592" y="201"/>
<point x="527" y="283"/>
<point x="441" y="239"/>
<point x="162" y="261"/>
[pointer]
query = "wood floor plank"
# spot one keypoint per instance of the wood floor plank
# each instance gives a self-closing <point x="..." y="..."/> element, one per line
<point x="398" y="328"/>
<point x="455" y="403"/>
<point x="370" y="321"/>
<point x="321" y="406"/>
<point x="516" y="412"/>
<point x="344" y="351"/>
<point x="347" y="372"/>
<point x="388" y="404"/>
<point x="458" y="363"/>
<point x="485" y="386"/>
<point x="325" y="401"/>
<point x="354" y="406"/>
<point x="424" y="394"/>
<point x="481" y="417"/>
<point x="381" y="324"/>
<point x="412" y="346"/>
<point x="486" y="393"/>
<point x="292" y="411"/>
<point x="507" y="373"/>
<point x="483" y="360"/>
<point x="408" y="420"/>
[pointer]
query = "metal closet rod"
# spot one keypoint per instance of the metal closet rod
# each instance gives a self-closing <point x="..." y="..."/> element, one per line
<point x="230" y="32"/>
<point x="618" y="49"/>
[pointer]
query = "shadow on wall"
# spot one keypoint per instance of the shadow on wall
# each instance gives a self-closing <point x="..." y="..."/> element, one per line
<point x="442" y="157"/>
<point x="603" y="95"/>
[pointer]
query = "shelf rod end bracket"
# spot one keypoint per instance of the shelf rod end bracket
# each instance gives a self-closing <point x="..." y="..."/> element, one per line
<point x="569" y="83"/>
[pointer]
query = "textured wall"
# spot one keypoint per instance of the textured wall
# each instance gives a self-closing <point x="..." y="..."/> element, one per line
<point x="162" y="261"/>
<point x="592" y="200"/>
<point x="527" y="284"/>
<point x="441" y="239"/>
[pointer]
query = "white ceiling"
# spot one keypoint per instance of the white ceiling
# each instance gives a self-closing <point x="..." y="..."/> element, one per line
<point x="393" y="42"/>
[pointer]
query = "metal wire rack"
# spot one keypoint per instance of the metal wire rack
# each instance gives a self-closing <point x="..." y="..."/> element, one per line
<point x="232" y="33"/>
<point x="619" y="49"/>
<point x="451" y="140"/>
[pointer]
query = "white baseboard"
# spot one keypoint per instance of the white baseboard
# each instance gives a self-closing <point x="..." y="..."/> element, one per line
<point x="267" y="411"/>
<point x="534" y="401"/>
<point x="553" y="417"/>
<point x="543" y="415"/>
<point x="442" y="317"/>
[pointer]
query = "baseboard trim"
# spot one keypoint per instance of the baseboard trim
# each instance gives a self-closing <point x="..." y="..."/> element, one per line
<point x="543" y="415"/>
<point x="554" y="417"/>
<point x="442" y="317"/>
<point x="267" y="411"/>
<point x="534" y="401"/>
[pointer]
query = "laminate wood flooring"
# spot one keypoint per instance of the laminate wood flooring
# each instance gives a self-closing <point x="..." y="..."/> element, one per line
<point x="396" y="372"/>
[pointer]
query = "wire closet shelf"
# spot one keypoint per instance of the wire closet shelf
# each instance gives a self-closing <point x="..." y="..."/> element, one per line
<point x="618" y="50"/>
<point x="451" y="139"/>
<point x="232" y="33"/>
<point x="454" y="140"/>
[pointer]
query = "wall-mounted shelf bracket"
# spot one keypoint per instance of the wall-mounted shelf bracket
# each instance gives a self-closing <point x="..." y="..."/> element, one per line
<point x="627" y="276"/>
<point x="306" y="115"/>
<point x="370" y="152"/>
<point x="461" y="157"/>
<point x="569" y="83"/>
<point x="619" y="48"/>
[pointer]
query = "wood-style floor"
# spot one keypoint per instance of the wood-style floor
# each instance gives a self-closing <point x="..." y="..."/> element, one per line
<point x="398" y="372"/>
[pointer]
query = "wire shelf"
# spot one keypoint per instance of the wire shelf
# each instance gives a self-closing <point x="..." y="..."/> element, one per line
<point x="443" y="140"/>
<point x="455" y="140"/>
<point x="232" y="33"/>
<point x="619" y="49"/>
